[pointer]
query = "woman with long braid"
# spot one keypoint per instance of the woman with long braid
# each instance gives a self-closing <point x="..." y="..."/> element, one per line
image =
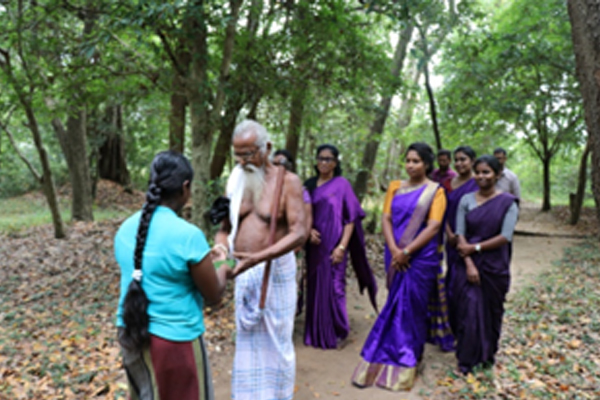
<point x="167" y="274"/>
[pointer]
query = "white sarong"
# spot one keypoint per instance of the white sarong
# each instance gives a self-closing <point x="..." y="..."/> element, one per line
<point x="264" y="366"/>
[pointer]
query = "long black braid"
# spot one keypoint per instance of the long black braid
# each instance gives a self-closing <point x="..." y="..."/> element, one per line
<point x="168" y="172"/>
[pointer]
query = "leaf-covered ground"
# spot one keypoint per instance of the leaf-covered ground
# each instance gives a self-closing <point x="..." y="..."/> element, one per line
<point x="550" y="345"/>
<point x="58" y="301"/>
<point x="57" y="334"/>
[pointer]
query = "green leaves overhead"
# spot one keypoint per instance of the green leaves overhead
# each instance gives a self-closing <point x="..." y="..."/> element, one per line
<point x="512" y="75"/>
<point x="507" y="72"/>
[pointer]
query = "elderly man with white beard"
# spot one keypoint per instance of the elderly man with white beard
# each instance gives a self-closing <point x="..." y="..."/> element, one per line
<point x="265" y="361"/>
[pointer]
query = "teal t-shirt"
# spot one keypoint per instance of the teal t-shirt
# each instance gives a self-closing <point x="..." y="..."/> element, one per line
<point x="175" y="304"/>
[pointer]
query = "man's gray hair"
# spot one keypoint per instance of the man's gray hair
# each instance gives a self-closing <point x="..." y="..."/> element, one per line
<point x="248" y="127"/>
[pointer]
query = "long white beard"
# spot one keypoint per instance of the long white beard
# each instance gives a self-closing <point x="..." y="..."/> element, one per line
<point x="254" y="181"/>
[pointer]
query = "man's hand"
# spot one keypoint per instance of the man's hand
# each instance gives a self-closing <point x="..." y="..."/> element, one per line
<point x="315" y="237"/>
<point x="245" y="262"/>
<point x="337" y="256"/>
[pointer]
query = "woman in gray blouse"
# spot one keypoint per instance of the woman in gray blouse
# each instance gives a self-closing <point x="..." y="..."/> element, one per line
<point x="485" y="224"/>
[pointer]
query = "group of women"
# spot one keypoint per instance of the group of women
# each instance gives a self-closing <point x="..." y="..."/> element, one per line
<point x="163" y="351"/>
<point x="460" y="311"/>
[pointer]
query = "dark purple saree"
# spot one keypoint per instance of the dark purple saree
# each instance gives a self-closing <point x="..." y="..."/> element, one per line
<point x="451" y="253"/>
<point x="480" y="307"/>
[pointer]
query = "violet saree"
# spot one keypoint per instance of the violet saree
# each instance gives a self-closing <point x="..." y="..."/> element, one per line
<point x="334" y="205"/>
<point x="396" y="342"/>
<point x="480" y="307"/>
<point x="451" y="254"/>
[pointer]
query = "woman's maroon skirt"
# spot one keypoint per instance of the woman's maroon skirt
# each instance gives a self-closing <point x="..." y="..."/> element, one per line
<point x="169" y="371"/>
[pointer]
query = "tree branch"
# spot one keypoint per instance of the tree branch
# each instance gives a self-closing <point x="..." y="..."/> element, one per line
<point x="559" y="137"/>
<point x="24" y="63"/>
<point x="529" y="139"/>
<point x="170" y="53"/>
<point x="11" y="138"/>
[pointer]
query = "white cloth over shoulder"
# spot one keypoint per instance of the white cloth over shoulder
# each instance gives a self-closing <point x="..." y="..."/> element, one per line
<point x="235" y="193"/>
<point x="264" y="365"/>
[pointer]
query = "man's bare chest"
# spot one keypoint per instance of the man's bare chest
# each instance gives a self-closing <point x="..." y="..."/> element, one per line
<point x="262" y="209"/>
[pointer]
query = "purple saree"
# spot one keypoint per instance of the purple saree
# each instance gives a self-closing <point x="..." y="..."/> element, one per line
<point x="334" y="205"/>
<point x="396" y="342"/>
<point x="480" y="307"/>
<point x="451" y="253"/>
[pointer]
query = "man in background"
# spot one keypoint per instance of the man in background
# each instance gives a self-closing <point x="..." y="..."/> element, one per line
<point x="443" y="174"/>
<point x="508" y="181"/>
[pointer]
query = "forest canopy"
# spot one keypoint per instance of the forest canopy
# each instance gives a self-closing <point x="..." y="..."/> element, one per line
<point x="93" y="89"/>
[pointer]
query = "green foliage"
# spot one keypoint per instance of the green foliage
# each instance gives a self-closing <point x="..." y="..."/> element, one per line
<point x="509" y="79"/>
<point x="14" y="178"/>
<point x="505" y="67"/>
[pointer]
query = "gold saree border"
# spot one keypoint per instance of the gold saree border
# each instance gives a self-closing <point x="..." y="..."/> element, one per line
<point x="390" y="377"/>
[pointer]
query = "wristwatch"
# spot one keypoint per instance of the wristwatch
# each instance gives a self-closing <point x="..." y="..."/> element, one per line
<point x="405" y="251"/>
<point x="478" y="248"/>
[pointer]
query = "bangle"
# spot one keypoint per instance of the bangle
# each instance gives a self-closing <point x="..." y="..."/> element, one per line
<point x="342" y="247"/>
<point x="405" y="251"/>
<point x="478" y="248"/>
<point x="222" y="247"/>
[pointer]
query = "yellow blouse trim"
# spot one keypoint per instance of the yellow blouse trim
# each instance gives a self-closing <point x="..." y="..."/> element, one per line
<point x="438" y="205"/>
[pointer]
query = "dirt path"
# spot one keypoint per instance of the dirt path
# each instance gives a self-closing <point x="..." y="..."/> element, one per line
<point x="326" y="374"/>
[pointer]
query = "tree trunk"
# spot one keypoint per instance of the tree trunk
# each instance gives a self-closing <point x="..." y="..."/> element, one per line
<point x="241" y="88"/>
<point x="576" y="200"/>
<point x="198" y="96"/>
<point x="585" y="25"/>
<point x="178" y="101"/>
<point x="204" y="115"/>
<point x="546" y="198"/>
<point x="75" y="146"/>
<point x="292" y="139"/>
<point x="73" y="142"/>
<point x="427" y="54"/>
<point x="177" y="119"/>
<point x="223" y="147"/>
<point x="406" y="111"/>
<point x="81" y="206"/>
<point x="254" y="102"/>
<point x="376" y="129"/>
<point x="112" y="163"/>
<point x="228" y="47"/>
<point x="47" y="182"/>
<point x="432" y="107"/>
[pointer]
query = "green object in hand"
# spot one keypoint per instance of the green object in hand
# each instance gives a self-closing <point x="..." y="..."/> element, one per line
<point x="230" y="263"/>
